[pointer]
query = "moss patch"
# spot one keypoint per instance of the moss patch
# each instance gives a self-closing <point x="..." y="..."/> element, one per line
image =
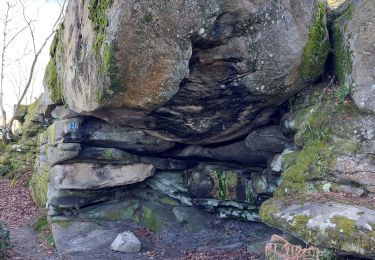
<point x="226" y="184"/>
<point x="222" y="192"/>
<point x="316" y="50"/>
<point x="117" y="214"/>
<point x="343" y="56"/>
<point x="98" y="16"/>
<point x="267" y="211"/>
<point x="298" y="168"/>
<point x="149" y="217"/>
<point x="52" y="81"/>
<point x="105" y="52"/>
<point x="344" y="225"/>
<point x="43" y="228"/>
<point x="318" y="132"/>
<point x="30" y="128"/>
<point x="38" y="186"/>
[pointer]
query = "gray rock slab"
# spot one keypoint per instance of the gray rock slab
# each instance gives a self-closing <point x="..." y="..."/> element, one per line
<point x="88" y="176"/>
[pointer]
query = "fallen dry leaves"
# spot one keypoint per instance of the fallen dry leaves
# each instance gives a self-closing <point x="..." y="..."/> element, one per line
<point x="16" y="206"/>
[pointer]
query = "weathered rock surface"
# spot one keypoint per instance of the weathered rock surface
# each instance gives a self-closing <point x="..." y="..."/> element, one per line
<point x="342" y="227"/>
<point x="171" y="184"/>
<point x="354" y="48"/>
<point x="130" y="63"/>
<point x="191" y="218"/>
<point x="101" y="134"/>
<point x="222" y="183"/>
<point x="117" y="156"/>
<point x="71" y="200"/>
<point x="81" y="237"/>
<point x="62" y="112"/>
<point x="86" y="176"/>
<point x="255" y="150"/>
<point x="126" y="242"/>
<point x="62" y="153"/>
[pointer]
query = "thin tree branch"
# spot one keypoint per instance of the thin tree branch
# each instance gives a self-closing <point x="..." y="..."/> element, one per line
<point x="36" y="57"/>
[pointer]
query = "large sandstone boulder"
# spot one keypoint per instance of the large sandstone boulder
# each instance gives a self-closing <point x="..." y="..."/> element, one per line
<point x="188" y="71"/>
<point x="354" y="40"/>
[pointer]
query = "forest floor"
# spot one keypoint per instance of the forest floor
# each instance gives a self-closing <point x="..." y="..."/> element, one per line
<point x="19" y="213"/>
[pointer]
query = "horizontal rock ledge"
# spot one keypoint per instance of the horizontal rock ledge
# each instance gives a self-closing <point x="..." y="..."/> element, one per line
<point x="90" y="176"/>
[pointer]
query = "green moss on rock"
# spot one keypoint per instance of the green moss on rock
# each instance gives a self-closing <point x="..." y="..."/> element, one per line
<point x="38" y="186"/>
<point x="30" y="128"/>
<point x="52" y="80"/>
<point x="343" y="62"/>
<point x="98" y="16"/>
<point x="226" y="183"/>
<point x="105" y="52"/>
<point x="345" y="225"/>
<point x="318" y="127"/>
<point x="150" y="219"/>
<point x="342" y="233"/>
<point x="267" y="211"/>
<point x="316" y="50"/>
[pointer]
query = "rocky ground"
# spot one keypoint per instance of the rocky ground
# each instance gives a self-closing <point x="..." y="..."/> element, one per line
<point x="228" y="239"/>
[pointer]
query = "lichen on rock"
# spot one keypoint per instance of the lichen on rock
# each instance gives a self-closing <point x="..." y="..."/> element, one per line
<point x="341" y="227"/>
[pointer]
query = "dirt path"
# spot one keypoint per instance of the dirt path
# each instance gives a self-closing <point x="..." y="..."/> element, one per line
<point x="19" y="213"/>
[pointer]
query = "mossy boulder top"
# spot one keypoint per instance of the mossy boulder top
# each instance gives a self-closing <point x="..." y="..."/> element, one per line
<point x="188" y="71"/>
<point x="348" y="229"/>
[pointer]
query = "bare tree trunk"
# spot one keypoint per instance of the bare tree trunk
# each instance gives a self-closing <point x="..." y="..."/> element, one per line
<point x="3" y="112"/>
<point x="36" y="57"/>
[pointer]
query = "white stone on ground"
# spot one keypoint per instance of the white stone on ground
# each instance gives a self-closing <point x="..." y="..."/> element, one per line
<point x="126" y="242"/>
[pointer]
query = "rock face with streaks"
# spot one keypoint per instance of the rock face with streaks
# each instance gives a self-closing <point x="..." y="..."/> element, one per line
<point x="188" y="71"/>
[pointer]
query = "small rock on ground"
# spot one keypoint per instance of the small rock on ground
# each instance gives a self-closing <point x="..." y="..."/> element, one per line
<point x="126" y="242"/>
